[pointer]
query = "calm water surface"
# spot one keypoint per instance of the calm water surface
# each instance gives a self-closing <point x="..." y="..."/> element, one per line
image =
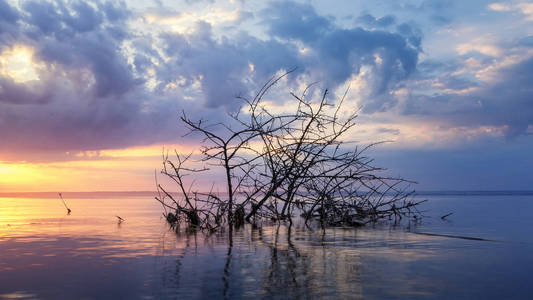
<point x="45" y="254"/>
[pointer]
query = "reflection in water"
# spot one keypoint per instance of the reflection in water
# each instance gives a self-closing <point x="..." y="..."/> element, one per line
<point x="18" y="295"/>
<point x="46" y="254"/>
<point x="264" y="262"/>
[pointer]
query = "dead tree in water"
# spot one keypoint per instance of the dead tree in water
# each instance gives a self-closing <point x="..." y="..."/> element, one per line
<point x="277" y="164"/>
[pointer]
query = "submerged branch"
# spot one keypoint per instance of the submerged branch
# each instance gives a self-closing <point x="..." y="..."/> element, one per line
<point x="65" y="204"/>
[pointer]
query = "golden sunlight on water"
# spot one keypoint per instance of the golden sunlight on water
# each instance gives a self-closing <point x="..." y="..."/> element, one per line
<point x="34" y="219"/>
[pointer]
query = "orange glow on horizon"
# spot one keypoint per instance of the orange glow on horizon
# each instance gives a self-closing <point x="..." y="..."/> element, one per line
<point x="128" y="169"/>
<point x="75" y="176"/>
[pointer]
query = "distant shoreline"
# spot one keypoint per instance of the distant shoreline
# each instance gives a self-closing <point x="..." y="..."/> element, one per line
<point x="100" y="194"/>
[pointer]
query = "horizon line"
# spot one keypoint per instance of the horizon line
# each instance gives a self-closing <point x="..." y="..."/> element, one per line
<point x="148" y="192"/>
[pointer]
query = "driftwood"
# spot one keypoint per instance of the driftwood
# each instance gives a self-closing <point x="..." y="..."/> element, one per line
<point x="65" y="204"/>
<point x="278" y="166"/>
<point x="446" y="215"/>
<point x="456" y="236"/>
<point x="120" y="220"/>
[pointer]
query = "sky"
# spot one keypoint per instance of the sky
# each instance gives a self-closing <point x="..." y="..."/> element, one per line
<point x="91" y="91"/>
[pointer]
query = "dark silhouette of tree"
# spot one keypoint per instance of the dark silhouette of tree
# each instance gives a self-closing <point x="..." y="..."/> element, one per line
<point x="279" y="165"/>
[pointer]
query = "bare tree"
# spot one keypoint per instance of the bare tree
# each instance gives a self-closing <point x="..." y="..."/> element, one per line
<point x="278" y="164"/>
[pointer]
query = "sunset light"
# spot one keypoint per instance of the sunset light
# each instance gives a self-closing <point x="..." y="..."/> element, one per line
<point x="277" y="149"/>
<point x="18" y="64"/>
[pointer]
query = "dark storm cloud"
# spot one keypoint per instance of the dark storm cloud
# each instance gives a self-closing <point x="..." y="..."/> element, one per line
<point x="340" y="53"/>
<point x="74" y="37"/>
<point x="291" y="20"/>
<point x="83" y="36"/>
<point x="16" y="93"/>
<point x="412" y="33"/>
<point x="335" y="54"/>
<point x="223" y="65"/>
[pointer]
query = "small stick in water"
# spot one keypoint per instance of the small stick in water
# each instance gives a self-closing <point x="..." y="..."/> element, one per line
<point x="120" y="220"/>
<point x="447" y="215"/>
<point x="65" y="203"/>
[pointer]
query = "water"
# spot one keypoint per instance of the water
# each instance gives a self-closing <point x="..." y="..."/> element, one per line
<point x="46" y="254"/>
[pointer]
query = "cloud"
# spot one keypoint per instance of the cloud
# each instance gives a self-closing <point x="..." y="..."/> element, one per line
<point x="437" y="12"/>
<point x="291" y="20"/>
<point x="456" y="84"/>
<point x="79" y="97"/>
<point x="503" y="102"/>
<point x="180" y="22"/>
<point x="336" y="53"/>
<point x="82" y="36"/>
<point x="322" y="51"/>
<point x="222" y="69"/>
<point x="8" y="24"/>
<point x="370" y="20"/>
<point x="524" y="8"/>
<point x="499" y="7"/>
<point x="82" y="76"/>
<point x="104" y="83"/>
<point x="7" y="13"/>
<point x="526" y="41"/>
<point x="481" y="45"/>
<point x="34" y="92"/>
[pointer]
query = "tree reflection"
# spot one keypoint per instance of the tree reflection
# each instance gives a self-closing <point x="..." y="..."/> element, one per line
<point x="280" y="261"/>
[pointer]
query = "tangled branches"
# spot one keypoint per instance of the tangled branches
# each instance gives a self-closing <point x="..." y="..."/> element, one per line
<point x="277" y="166"/>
